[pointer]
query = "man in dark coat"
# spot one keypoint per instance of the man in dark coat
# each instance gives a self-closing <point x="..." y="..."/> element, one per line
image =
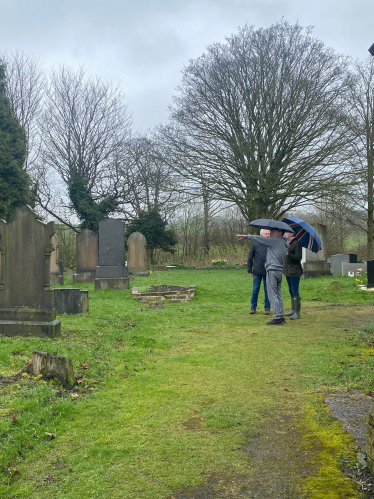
<point x="256" y="269"/>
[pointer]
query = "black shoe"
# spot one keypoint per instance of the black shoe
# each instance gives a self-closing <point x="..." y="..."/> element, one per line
<point x="276" y="322"/>
<point x="253" y="311"/>
<point x="267" y="311"/>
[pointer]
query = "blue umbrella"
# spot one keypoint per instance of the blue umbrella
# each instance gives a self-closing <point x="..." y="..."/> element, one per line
<point x="305" y="234"/>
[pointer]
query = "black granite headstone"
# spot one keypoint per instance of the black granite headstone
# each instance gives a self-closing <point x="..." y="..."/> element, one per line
<point x="370" y="272"/>
<point x="352" y="258"/>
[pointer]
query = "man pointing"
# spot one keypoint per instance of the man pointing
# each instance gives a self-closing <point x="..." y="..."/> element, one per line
<point x="277" y="249"/>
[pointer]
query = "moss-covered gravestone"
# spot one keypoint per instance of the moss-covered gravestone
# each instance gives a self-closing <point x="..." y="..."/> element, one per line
<point x="335" y="286"/>
<point x="26" y="298"/>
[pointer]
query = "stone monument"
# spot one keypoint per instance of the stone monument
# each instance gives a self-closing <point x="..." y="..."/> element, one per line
<point x="370" y="271"/>
<point x="55" y="272"/>
<point x="337" y="262"/>
<point x="26" y="298"/>
<point x="87" y="251"/>
<point x="71" y="301"/>
<point x="137" y="255"/>
<point x="111" y="271"/>
<point x="315" y="264"/>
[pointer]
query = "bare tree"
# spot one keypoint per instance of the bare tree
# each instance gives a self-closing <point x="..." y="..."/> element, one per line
<point x="85" y="126"/>
<point x="262" y="119"/>
<point x="148" y="182"/>
<point x="361" y="98"/>
<point x="25" y="88"/>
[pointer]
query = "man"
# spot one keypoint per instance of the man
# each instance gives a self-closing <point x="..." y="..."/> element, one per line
<point x="277" y="249"/>
<point x="257" y="270"/>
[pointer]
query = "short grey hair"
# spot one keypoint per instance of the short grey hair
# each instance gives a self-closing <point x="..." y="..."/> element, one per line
<point x="262" y="231"/>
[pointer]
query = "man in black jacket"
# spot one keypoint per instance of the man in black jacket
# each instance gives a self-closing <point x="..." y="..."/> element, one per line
<point x="256" y="269"/>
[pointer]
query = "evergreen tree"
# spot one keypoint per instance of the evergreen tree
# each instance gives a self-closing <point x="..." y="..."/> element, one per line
<point x="14" y="181"/>
<point x="88" y="210"/>
<point x="153" y="228"/>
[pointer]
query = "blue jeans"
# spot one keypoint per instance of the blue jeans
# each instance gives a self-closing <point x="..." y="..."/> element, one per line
<point x="256" y="288"/>
<point x="293" y="282"/>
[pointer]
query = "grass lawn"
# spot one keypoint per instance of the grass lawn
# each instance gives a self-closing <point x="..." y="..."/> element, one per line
<point x="175" y="398"/>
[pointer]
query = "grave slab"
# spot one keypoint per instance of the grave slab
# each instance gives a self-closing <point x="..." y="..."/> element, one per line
<point x="71" y="301"/>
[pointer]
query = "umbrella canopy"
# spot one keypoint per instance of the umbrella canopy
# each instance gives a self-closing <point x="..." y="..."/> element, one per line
<point x="305" y="234"/>
<point x="268" y="223"/>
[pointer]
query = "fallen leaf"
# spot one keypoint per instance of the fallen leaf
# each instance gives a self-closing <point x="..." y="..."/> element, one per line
<point x="28" y="361"/>
<point x="84" y="364"/>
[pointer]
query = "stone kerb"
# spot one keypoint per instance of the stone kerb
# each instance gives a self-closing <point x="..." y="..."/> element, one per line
<point x="87" y="253"/>
<point x="137" y="254"/>
<point x="26" y="298"/>
<point x="183" y="294"/>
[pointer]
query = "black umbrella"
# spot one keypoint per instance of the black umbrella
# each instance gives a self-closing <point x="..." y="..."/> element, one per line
<point x="268" y="223"/>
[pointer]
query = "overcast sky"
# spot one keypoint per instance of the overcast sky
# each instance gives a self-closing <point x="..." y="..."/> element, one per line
<point x="144" y="44"/>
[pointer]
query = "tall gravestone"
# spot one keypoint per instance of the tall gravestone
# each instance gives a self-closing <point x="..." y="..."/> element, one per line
<point x="370" y="272"/>
<point x="316" y="264"/>
<point x="137" y="254"/>
<point x="87" y="251"/>
<point x="111" y="271"/>
<point x="26" y="298"/>
<point x="55" y="273"/>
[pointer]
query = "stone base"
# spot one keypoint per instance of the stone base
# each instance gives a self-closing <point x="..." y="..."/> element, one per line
<point x="83" y="277"/>
<point x="121" y="283"/>
<point x="31" y="328"/>
<point x="162" y="268"/>
<point x="56" y="280"/>
<point x="71" y="301"/>
<point x="316" y="269"/>
<point x="143" y="273"/>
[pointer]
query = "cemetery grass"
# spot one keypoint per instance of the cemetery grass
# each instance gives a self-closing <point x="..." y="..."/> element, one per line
<point x="172" y="397"/>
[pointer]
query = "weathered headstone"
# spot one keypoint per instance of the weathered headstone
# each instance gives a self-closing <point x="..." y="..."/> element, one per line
<point x="111" y="271"/>
<point x="71" y="301"/>
<point x="137" y="254"/>
<point x="316" y="264"/>
<point x="53" y="366"/>
<point x="335" y="286"/>
<point x="337" y="262"/>
<point x="26" y="298"/>
<point x="353" y="267"/>
<point x="56" y="277"/>
<point x="69" y="274"/>
<point x="87" y="251"/>
<point x="370" y="271"/>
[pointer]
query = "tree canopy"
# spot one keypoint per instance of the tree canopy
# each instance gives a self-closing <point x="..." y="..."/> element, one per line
<point x="14" y="181"/>
<point x="261" y="118"/>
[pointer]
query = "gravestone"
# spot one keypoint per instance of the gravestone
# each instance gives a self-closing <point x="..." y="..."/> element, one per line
<point x="71" y="301"/>
<point x="316" y="264"/>
<point x="56" y="277"/>
<point x="137" y="255"/>
<point x="87" y="251"/>
<point x="69" y="274"/>
<point x="337" y="262"/>
<point x="111" y="271"/>
<point x="370" y="438"/>
<point x="26" y="298"/>
<point x="353" y="267"/>
<point x="370" y="271"/>
<point x="53" y="366"/>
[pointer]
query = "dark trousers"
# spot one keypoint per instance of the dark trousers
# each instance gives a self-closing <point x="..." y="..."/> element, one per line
<point x="256" y="288"/>
<point x="293" y="282"/>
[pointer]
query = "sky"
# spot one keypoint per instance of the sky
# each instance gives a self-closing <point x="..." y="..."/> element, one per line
<point x="143" y="45"/>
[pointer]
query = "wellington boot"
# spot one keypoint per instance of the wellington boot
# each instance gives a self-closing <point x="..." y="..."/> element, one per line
<point x="293" y="307"/>
<point x="296" y="315"/>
